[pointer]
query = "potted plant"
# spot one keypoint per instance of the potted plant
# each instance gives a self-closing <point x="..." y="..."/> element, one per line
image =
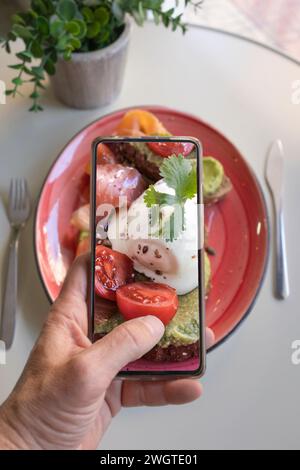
<point x="81" y="45"/>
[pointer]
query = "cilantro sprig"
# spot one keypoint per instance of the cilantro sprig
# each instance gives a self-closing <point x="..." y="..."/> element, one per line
<point x="181" y="175"/>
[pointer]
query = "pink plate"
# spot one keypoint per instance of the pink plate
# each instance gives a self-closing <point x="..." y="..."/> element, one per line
<point x="238" y="225"/>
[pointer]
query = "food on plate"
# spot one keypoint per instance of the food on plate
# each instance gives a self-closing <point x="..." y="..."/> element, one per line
<point x="81" y="218"/>
<point x="165" y="149"/>
<point x="139" y="122"/>
<point x="115" y="181"/>
<point x="172" y="262"/>
<point x="165" y="264"/>
<point x="147" y="298"/>
<point x="112" y="270"/>
<point x="137" y="274"/>
<point x="215" y="183"/>
<point x="84" y="243"/>
<point x="180" y="341"/>
<point x="104" y="155"/>
<point x="139" y="155"/>
<point x="207" y="274"/>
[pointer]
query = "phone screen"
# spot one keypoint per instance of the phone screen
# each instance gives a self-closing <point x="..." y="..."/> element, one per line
<point x="147" y="246"/>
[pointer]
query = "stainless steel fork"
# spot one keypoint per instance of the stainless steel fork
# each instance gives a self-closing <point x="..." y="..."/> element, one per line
<point x="18" y="213"/>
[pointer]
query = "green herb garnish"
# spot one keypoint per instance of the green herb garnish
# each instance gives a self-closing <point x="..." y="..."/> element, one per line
<point x="181" y="175"/>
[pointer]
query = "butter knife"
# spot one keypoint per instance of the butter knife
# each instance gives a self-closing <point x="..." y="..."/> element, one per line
<point x="274" y="176"/>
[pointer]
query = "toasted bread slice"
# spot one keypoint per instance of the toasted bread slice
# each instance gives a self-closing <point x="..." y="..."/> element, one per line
<point x="126" y="152"/>
<point x="173" y="353"/>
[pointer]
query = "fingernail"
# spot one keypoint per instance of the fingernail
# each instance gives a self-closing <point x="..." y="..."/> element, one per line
<point x="154" y="324"/>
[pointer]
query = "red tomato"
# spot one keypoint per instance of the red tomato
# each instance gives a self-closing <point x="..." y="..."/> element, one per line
<point x="147" y="298"/>
<point x="115" y="181"/>
<point x="165" y="149"/>
<point x="105" y="155"/>
<point x="112" y="270"/>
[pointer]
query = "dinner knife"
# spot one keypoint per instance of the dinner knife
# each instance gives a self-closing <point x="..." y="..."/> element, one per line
<point x="274" y="177"/>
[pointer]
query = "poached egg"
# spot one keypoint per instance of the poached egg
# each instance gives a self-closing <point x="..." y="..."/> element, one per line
<point x="170" y="262"/>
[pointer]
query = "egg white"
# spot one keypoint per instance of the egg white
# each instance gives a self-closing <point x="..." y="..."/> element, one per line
<point x="174" y="263"/>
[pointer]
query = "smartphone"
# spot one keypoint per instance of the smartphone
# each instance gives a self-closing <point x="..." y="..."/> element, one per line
<point x="147" y="248"/>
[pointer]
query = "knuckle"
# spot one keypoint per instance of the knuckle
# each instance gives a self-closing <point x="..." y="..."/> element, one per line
<point x="79" y="369"/>
<point x="130" y="334"/>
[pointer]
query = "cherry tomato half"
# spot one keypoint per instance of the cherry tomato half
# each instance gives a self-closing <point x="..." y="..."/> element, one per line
<point x="165" y="149"/>
<point x="112" y="270"/>
<point x="147" y="298"/>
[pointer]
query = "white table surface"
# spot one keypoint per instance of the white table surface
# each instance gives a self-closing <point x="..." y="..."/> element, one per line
<point x="251" y="397"/>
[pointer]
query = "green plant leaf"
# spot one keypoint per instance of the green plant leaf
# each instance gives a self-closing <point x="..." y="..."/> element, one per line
<point x="153" y="197"/>
<point x="66" y="9"/>
<point x="139" y="15"/>
<point x="30" y="15"/>
<point x="82" y="28"/>
<point x="36" y="49"/>
<point x="34" y="95"/>
<point x="17" y="81"/>
<point x="72" y="27"/>
<point x="102" y="15"/>
<point x="11" y="36"/>
<point x="181" y="175"/>
<point x="56" y="28"/>
<point x="87" y="14"/>
<point x="156" y="17"/>
<point x="17" y="19"/>
<point x="25" y="56"/>
<point x="68" y="54"/>
<point x="39" y="6"/>
<point x="93" y="30"/>
<point x="105" y="35"/>
<point x="42" y="25"/>
<point x="165" y="20"/>
<point x="37" y="72"/>
<point x="22" y="31"/>
<point x="9" y="92"/>
<point x="49" y="66"/>
<point x="75" y="43"/>
<point x="142" y="12"/>
<point x="53" y="55"/>
<point x="16" y="66"/>
<point x="40" y="85"/>
<point x="62" y="43"/>
<point x="35" y="108"/>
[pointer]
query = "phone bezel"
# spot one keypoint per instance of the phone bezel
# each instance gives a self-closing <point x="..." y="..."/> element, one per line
<point x="152" y="375"/>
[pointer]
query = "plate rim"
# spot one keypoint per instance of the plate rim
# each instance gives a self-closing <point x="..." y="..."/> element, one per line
<point x="208" y="125"/>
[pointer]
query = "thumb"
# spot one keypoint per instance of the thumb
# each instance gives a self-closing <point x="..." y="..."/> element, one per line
<point x="126" y="343"/>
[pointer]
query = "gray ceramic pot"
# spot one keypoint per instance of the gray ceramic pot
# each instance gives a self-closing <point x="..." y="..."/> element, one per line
<point x="92" y="79"/>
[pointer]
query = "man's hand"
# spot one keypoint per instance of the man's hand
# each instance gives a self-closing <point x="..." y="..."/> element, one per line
<point x="66" y="396"/>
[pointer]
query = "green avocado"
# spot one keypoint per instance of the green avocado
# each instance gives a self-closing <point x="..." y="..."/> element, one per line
<point x="213" y="175"/>
<point x="183" y="329"/>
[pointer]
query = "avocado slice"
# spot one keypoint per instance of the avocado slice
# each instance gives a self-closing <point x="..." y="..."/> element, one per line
<point x="215" y="182"/>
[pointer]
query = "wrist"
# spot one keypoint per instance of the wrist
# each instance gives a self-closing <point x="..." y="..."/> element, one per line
<point x="14" y="434"/>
